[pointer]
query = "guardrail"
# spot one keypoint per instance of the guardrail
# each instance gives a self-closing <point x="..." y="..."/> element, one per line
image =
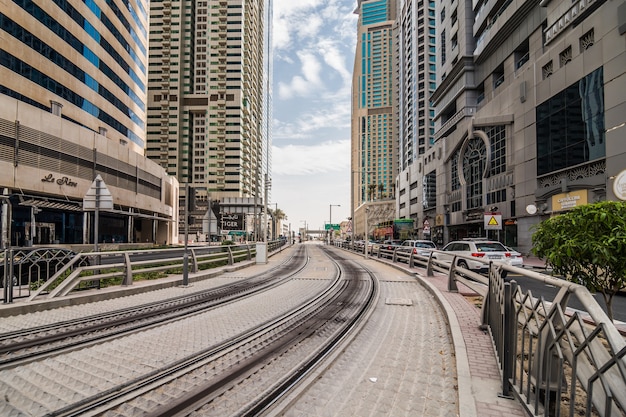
<point x="122" y="267"/>
<point x="554" y="360"/>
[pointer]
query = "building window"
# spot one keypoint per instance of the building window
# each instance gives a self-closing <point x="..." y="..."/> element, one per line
<point x="565" y="56"/>
<point x="474" y="161"/>
<point x="586" y="41"/>
<point x="443" y="47"/>
<point x="497" y="139"/>
<point x="546" y="70"/>
<point x="455" y="184"/>
<point x="430" y="190"/>
<point x="570" y="125"/>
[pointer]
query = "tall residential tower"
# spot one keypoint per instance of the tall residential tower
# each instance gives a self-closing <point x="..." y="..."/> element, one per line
<point x="374" y="144"/>
<point x="209" y="96"/>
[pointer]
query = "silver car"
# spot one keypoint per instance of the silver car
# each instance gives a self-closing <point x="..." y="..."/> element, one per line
<point x="486" y="250"/>
<point x="419" y="247"/>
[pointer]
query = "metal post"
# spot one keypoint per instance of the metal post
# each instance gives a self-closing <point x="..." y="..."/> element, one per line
<point x="330" y="221"/>
<point x="366" y="234"/>
<point x="33" y="227"/>
<point x="185" y="254"/>
<point x="96" y="216"/>
<point x="265" y="187"/>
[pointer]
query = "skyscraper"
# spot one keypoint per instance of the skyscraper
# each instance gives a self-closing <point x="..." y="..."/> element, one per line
<point x="416" y="79"/>
<point x="374" y="153"/>
<point x="93" y="64"/>
<point x="73" y="88"/>
<point x="209" y="95"/>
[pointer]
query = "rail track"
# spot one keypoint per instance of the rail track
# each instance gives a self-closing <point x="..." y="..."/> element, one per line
<point x="27" y="345"/>
<point x="259" y="362"/>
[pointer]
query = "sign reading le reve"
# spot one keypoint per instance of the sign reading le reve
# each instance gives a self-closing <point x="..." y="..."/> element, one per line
<point x="232" y="221"/>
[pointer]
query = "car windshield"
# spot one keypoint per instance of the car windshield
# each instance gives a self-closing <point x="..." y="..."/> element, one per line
<point x="425" y="245"/>
<point x="490" y="247"/>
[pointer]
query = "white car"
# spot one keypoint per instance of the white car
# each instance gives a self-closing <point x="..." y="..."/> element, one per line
<point x="486" y="250"/>
<point x="419" y="247"/>
<point x="516" y="258"/>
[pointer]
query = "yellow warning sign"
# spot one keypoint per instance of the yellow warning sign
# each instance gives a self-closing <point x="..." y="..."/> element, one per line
<point x="493" y="221"/>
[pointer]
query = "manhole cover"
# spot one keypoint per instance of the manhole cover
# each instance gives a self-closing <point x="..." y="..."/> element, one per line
<point x="399" y="301"/>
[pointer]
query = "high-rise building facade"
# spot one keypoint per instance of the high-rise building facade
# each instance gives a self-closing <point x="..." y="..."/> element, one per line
<point x="417" y="81"/>
<point x="73" y="91"/>
<point x="374" y="142"/>
<point x="86" y="58"/>
<point x="209" y="96"/>
<point x="529" y="117"/>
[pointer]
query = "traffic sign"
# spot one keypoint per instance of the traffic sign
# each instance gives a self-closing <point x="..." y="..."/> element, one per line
<point x="98" y="196"/>
<point x="493" y="221"/>
<point x="329" y="226"/>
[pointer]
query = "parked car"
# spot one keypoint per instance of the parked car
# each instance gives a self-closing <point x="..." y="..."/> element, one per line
<point x="516" y="258"/>
<point x="419" y="247"/>
<point x="487" y="250"/>
<point x="391" y="244"/>
<point x="39" y="264"/>
<point x="388" y="247"/>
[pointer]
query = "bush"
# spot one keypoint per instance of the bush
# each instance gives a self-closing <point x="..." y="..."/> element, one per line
<point x="587" y="245"/>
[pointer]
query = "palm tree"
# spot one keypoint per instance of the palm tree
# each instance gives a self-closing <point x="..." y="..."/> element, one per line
<point x="381" y="188"/>
<point x="372" y="188"/>
<point x="277" y="216"/>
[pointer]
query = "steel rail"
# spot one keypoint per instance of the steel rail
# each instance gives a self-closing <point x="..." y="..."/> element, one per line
<point x="73" y="334"/>
<point x="285" y="323"/>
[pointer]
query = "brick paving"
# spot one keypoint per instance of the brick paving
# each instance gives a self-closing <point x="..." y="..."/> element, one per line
<point x="484" y="379"/>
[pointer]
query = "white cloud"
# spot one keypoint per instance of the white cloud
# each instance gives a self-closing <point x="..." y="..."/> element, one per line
<point x="305" y="84"/>
<point x="305" y="160"/>
<point x="313" y="46"/>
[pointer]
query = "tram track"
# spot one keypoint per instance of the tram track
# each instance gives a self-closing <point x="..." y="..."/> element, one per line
<point x="260" y="363"/>
<point x="27" y="345"/>
<point x="335" y="314"/>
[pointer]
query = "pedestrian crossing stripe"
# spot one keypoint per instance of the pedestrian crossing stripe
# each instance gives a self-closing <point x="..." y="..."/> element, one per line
<point x="492" y="221"/>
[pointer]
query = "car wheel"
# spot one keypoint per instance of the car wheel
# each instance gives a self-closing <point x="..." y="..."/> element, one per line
<point x="462" y="264"/>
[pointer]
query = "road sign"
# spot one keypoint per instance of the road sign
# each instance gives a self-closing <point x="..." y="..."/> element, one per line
<point x="98" y="196"/>
<point x="493" y="221"/>
<point x="329" y="226"/>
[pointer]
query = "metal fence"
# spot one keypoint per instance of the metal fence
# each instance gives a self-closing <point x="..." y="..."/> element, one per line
<point x="557" y="361"/>
<point x="53" y="272"/>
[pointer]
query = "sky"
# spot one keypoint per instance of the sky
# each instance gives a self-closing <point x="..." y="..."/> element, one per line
<point x="313" y="46"/>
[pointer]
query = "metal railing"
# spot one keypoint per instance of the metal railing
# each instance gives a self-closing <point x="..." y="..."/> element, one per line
<point x="554" y="359"/>
<point x="93" y="269"/>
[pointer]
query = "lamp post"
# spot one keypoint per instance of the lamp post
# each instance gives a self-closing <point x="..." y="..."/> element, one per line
<point x="367" y="241"/>
<point x="185" y="254"/>
<point x="274" y="220"/>
<point x="330" y="222"/>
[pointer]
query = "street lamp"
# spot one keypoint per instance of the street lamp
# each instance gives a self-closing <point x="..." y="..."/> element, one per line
<point x="274" y="225"/>
<point x="330" y="221"/>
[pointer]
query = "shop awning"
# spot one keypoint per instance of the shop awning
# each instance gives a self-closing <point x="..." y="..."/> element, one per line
<point x="55" y="205"/>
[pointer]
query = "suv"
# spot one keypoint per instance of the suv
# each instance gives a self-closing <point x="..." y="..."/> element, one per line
<point x="391" y="244"/>
<point x="488" y="250"/>
<point x="419" y="247"/>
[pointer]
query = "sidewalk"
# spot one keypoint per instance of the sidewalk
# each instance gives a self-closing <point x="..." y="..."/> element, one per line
<point x="479" y="377"/>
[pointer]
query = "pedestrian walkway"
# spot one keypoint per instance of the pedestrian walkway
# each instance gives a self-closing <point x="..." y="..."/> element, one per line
<point x="479" y="377"/>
